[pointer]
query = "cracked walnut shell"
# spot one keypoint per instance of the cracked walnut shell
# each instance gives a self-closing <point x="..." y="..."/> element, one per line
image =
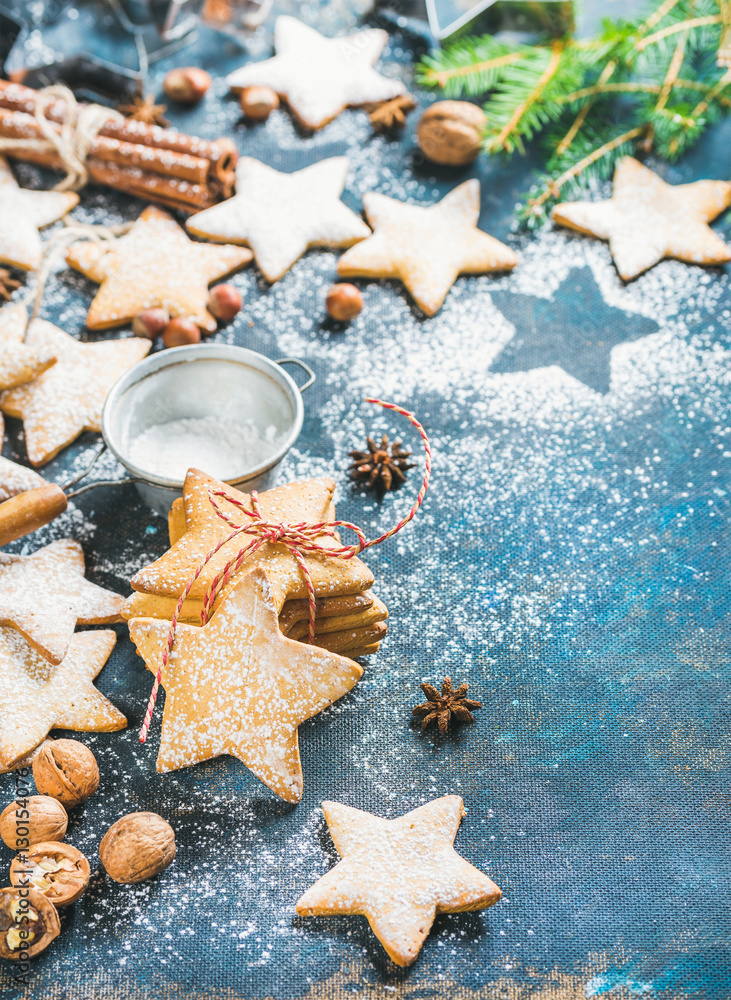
<point x="28" y="923"/>
<point x="59" y="871"/>
<point x="66" y="770"/>
<point x="31" y="820"/>
<point x="137" y="847"/>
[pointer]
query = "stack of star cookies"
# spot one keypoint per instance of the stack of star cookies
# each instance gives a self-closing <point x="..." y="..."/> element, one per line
<point x="46" y="667"/>
<point x="350" y="619"/>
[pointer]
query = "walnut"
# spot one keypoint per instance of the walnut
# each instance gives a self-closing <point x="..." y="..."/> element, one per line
<point x="137" y="847"/>
<point x="450" y="132"/>
<point x="66" y="770"/>
<point x="58" y="871"/>
<point x="28" y="923"/>
<point x="31" y="820"/>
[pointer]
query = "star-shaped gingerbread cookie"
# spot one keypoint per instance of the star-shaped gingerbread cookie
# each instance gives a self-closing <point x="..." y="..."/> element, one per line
<point x="45" y="595"/>
<point x="19" y="362"/>
<point x="69" y="397"/>
<point x="646" y="219"/>
<point x="281" y="215"/>
<point x="238" y="686"/>
<point x="426" y="248"/>
<point x="36" y="696"/>
<point x="154" y="265"/>
<point x="303" y="502"/>
<point x="319" y="77"/>
<point x="22" y="213"/>
<point x="399" y="873"/>
<point x="14" y="478"/>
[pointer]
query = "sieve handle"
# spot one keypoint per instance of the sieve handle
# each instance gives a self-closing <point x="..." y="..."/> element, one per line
<point x="27" y="511"/>
<point x="305" y="368"/>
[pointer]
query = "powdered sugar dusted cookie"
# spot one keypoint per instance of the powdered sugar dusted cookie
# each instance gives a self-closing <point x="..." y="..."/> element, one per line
<point x="16" y="478"/>
<point x="45" y="595"/>
<point x="294" y="503"/>
<point x="646" y="219"/>
<point x="19" y="362"/>
<point x="69" y="397"/>
<point x="281" y="215"/>
<point x="22" y="214"/>
<point x="426" y="248"/>
<point x="238" y="686"/>
<point x="399" y="873"/>
<point x="319" y="77"/>
<point x="36" y="696"/>
<point x="153" y="265"/>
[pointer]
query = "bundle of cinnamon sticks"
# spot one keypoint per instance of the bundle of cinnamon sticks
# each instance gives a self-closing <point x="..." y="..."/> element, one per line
<point x="161" y="165"/>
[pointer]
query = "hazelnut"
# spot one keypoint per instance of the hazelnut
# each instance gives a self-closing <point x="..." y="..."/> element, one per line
<point x="186" y="85"/>
<point x="31" y="820"/>
<point x="257" y="103"/>
<point x="58" y="871"/>
<point x="66" y="770"/>
<point x="180" y="331"/>
<point x="450" y="132"/>
<point x="137" y="847"/>
<point x="150" y="323"/>
<point x="343" y="302"/>
<point x="224" y="301"/>
<point x="28" y="923"/>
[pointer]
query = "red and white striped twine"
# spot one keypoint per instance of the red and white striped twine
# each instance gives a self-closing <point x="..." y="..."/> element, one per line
<point x="298" y="538"/>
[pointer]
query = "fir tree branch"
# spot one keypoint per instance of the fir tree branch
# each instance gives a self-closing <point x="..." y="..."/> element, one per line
<point x="440" y="78"/>
<point x="499" y="142"/>
<point x="672" y="74"/>
<point x="712" y="94"/>
<point x="553" y="188"/>
<point x="673" y="29"/>
<point x="581" y="116"/>
<point x="657" y="15"/>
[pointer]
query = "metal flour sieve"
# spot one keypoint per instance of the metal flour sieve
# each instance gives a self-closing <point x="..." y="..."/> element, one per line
<point x="211" y="380"/>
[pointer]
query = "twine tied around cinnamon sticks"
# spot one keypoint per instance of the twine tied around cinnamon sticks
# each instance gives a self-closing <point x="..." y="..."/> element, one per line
<point x="298" y="538"/>
<point x="79" y="126"/>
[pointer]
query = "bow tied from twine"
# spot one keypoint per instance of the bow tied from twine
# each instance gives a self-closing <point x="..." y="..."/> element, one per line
<point x="299" y="539"/>
<point x="69" y="134"/>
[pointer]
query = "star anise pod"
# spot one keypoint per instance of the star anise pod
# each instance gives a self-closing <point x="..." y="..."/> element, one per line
<point x="144" y="109"/>
<point x="391" y="113"/>
<point x="8" y="284"/>
<point x="441" y="707"/>
<point x="382" y="464"/>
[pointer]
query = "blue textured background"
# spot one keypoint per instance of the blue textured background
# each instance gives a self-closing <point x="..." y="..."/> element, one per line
<point x="571" y="563"/>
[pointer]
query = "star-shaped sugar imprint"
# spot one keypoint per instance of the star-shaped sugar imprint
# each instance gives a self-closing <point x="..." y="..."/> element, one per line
<point x="319" y="77"/>
<point x="302" y="502"/>
<point x="19" y="362"/>
<point x="36" y="696"/>
<point x="45" y="595"/>
<point x="154" y="265"/>
<point x="22" y="213"/>
<point x="68" y="398"/>
<point x="646" y="219"/>
<point x="399" y="873"/>
<point x="426" y="248"/>
<point x="281" y="215"/>
<point x="238" y="686"/>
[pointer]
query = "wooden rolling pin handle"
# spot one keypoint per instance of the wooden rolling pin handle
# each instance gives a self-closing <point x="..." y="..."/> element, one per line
<point x="30" y="510"/>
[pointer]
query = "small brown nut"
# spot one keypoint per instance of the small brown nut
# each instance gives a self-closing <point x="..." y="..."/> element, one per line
<point x="450" y="132"/>
<point x="257" y="103"/>
<point x="150" y="323"/>
<point x="224" y="301"/>
<point x="136" y="847"/>
<point x="343" y="302"/>
<point x="32" y="820"/>
<point x="186" y="85"/>
<point x="28" y="923"/>
<point x="58" y="871"/>
<point x="180" y="331"/>
<point x="66" y="770"/>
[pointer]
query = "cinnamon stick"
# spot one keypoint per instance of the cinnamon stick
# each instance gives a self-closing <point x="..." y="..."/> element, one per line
<point x="202" y="162"/>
